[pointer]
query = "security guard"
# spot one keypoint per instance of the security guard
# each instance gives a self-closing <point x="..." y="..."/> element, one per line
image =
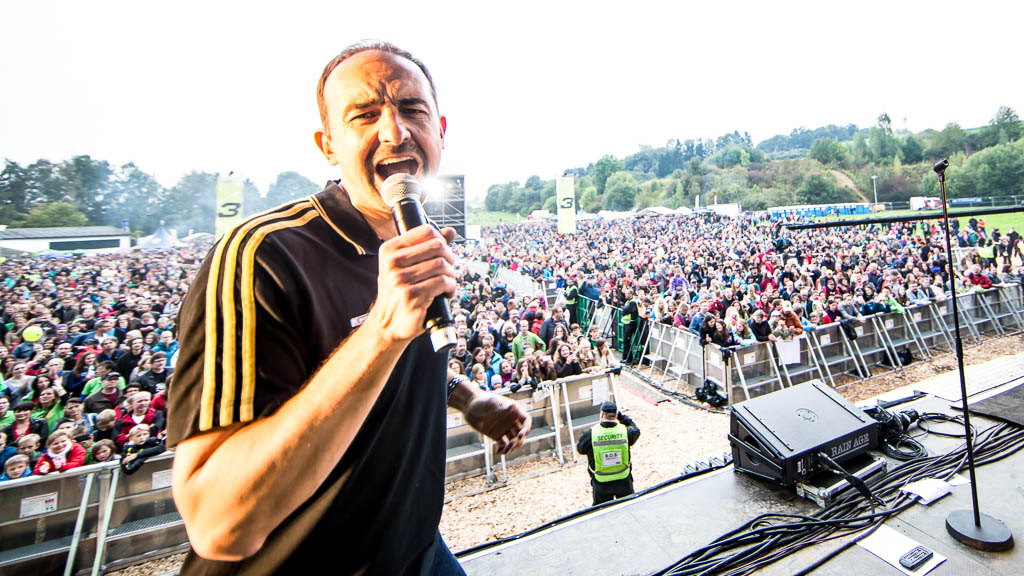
<point x="571" y="297"/>
<point x="606" y="445"/>
<point x="628" y="319"/>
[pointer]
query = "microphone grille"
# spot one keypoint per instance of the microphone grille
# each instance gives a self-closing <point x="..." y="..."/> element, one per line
<point x="398" y="187"/>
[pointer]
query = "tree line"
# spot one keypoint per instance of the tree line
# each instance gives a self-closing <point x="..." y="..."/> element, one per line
<point x="828" y="164"/>
<point x="84" y="191"/>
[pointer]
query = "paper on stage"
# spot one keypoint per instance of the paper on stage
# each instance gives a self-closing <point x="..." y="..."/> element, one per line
<point x="929" y="489"/>
<point x="890" y="545"/>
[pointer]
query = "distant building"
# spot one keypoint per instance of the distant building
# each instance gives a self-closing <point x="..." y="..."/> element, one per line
<point x="68" y="239"/>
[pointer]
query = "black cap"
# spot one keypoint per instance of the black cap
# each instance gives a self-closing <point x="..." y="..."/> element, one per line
<point x="610" y="408"/>
<point x="112" y="376"/>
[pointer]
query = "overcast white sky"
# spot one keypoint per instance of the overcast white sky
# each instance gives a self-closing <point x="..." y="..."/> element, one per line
<point x="528" y="87"/>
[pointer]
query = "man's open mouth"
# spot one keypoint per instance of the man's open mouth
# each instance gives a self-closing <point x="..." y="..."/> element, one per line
<point x="398" y="165"/>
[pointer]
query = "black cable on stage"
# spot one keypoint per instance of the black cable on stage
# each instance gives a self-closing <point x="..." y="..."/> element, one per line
<point x="761" y="541"/>
<point x="927" y="417"/>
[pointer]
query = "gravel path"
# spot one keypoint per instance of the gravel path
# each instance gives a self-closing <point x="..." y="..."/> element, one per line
<point x="672" y="435"/>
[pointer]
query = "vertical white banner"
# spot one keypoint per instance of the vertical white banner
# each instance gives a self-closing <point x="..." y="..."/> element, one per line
<point x="565" y="199"/>
<point x="229" y="203"/>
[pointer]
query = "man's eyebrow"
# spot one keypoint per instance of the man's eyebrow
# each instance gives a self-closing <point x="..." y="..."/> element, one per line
<point x="368" y="104"/>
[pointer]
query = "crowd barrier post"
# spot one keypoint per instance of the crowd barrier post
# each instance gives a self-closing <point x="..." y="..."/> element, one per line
<point x="915" y="319"/>
<point x="104" y="526"/>
<point x="808" y="361"/>
<point x="680" y="369"/>
<point x="936" y="314"/>
<point x="1000" y="300"/>
<point x="946" y="311"/>
<point x="830" y="337"/>
<point x="901" y="336"/>
<point x="755" y="367"/>
<point x="83" y="507"/>
<point x="584" y="312"/>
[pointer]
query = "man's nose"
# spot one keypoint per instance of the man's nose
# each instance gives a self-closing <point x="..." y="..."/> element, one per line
<point x="391" y="127"/>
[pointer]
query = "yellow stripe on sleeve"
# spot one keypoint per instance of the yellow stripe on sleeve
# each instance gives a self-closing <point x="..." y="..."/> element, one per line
<point x="249" y="310"/>
<point x="229" y="348"/>
<point x="208" y="397"/>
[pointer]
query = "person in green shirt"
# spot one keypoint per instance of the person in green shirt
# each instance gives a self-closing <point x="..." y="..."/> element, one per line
<point x="48" y="406"/>
<point x="102" y="369"/>
<point x="6" y="414"/>
<point x="525" y="339"/>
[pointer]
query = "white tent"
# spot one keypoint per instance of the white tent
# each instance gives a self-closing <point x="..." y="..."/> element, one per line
<point x="162" y="238"/>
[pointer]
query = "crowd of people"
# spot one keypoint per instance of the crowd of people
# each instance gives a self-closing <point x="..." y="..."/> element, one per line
<point x="89" y="343"/>
<point x="739" y="280"/>
<point x="88" y="349"/>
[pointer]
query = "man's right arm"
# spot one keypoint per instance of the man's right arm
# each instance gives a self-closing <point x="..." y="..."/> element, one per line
<point x="232" y="485"/>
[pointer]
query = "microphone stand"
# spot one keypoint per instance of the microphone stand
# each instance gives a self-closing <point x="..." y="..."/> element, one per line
<point x="969" y="527"/>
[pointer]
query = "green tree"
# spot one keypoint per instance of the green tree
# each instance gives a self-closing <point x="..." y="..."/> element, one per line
<point x="13" y="193"/>
<point x="190" y="204"/>
<point x="603" y="169"/>
<point x="87" y="182"/>
<point x="1004" y="127"/>
<point x="134" y="196"/>
<point x="289" y="186"/>
<point x="821" y="188"/>
<point x="946" y="142"/>
<point x="253" y="202"/>
<point x="883" y="144"/>
<point x="589" y="200"/>
<point x="620" y="192"/>
<point x="828" y="151"/>
<point x="861" y="152"/>
<point x="54" y="214"/>
<point x="913" y="151"/>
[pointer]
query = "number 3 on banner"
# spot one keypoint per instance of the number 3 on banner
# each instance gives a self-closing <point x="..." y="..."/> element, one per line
<point x="229" y="209"/>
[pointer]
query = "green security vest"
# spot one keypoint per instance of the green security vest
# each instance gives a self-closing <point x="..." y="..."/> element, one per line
<point x="611" y="452"/>
<point x="570" y="295"/>
<point x="627" y="318"/>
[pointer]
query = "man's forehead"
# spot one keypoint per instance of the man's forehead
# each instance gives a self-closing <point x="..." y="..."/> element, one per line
<point x="367" y="77"/>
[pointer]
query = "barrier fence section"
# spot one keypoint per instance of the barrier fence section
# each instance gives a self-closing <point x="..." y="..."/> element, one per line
<point x="560" y="410"/>
<point x="858" y="347"/>
<point x="521" y="284"/>
<point x="93" y="517"/>
<point x="96" y="517"/>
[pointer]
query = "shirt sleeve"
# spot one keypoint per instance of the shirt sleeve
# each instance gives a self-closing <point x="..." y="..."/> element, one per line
<point x="242" y="353"/>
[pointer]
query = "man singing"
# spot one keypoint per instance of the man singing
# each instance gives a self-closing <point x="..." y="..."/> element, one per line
<point x="308" y="408"/>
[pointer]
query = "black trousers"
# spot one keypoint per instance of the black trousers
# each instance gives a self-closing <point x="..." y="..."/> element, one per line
<point x="607" y="491"/>
<point x="627" y="341"/>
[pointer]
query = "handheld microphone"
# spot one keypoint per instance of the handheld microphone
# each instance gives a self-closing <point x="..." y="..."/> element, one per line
<point x="401" y="192"/>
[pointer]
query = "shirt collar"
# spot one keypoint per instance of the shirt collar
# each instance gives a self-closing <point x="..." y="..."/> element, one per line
<point x="335" y="206"/>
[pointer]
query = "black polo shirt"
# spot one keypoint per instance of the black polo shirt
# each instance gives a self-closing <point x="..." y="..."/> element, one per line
<point x="272" y="301"/>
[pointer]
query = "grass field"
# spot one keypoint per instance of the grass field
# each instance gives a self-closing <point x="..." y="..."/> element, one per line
<point x="485" y="218"/>
<point x="992" y="221"/>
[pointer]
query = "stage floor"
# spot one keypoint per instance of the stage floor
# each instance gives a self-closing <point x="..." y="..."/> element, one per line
<point x="656" y="530"/>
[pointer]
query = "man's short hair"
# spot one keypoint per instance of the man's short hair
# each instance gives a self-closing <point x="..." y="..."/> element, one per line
<point x="75" y="400"/>
<point x="160" y="356"/>
<point x="24" y="406"/>
<point x="365" y="46"/>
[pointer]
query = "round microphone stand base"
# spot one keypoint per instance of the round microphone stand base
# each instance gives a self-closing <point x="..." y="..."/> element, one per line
<point x="991" y="536"/>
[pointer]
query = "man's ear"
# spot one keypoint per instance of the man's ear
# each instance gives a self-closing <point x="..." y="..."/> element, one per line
<point x="323" y="142"/>
<point x="444" y="128"/>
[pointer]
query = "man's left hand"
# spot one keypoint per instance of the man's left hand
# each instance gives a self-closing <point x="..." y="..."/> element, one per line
<point x="503" y="420"/>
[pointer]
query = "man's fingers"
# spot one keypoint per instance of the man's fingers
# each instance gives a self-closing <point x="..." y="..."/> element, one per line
<point x="449" y="234"/>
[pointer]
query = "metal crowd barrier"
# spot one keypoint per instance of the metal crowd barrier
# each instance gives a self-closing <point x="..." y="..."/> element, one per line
<point x="93" y="517"/>
<point x="826" y="352"/>
<point x="560" y="409"/>
<point x="521" y="284"/>
<point x="477" y="267"/>
<point x="551" y="291"/>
